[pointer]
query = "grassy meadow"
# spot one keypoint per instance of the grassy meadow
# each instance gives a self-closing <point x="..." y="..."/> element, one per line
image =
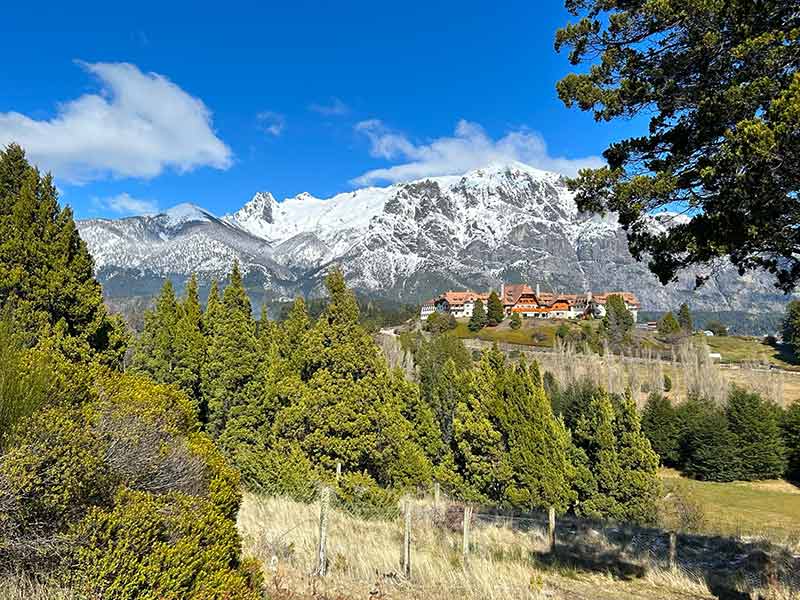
<point x="759" y="508"/>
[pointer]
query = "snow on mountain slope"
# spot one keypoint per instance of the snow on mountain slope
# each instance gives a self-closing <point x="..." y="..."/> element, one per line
<point x="407" y="241"/>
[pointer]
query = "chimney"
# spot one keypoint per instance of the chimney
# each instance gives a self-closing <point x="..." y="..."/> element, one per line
<point x="502" y="291"/>
<point x="537" y="290"/>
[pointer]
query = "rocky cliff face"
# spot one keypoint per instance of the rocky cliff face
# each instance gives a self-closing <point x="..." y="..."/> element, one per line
<point x="505" y="222"/>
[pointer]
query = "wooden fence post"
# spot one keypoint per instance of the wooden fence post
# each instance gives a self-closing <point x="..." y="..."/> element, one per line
<point x="467" y="519"/>
<point x="673" y="550"/>
<point x="436" y="494"/>
<point x="322" y="549"/>
<point x="407" y="542"/>
<point x="338" y="471"/>
<point x="551" y="528"/>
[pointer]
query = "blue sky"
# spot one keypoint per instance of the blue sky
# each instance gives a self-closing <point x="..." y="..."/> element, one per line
<point x="139" y="106"/>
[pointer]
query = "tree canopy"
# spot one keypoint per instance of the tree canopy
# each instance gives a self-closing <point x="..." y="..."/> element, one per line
<point x="47" y="284"/>
<point x="719" y="84"/>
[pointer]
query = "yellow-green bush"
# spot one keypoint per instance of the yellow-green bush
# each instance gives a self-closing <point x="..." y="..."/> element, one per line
<point x="223" y="480"/>
<point x="53" y="472"/>
<point x="359" y="494"/>
<point x="161" y="547"/>
<point x="136" y="501"/>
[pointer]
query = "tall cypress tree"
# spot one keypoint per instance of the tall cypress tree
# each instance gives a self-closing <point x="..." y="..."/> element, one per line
<point x="538" y="444"/>
<point x="596" y="438"/>
<point x="213" y="311"/>
<point x="685" y="318"/>
<point x="190" y="345"/>
<point x="232" y="357"/>
<point x="154" y="352"/>
<point x="294" y="329"/>
<point x="714" y="449"/>
<point x="639" y="487"/>
<point x="617" y="323"/>
<point x="345" y="405"/>
<point x="661" y="425"/>
<point x="47" y="284"/>
<point x="478" y="319"/>
<point x="494" y="310"/>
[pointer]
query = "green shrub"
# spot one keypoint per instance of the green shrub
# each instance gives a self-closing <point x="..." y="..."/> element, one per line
<point x="516" y="321"/>
<point x="667" y="383"/>
<point x="159" y="547"/>
<point x="53" y="473"/>
<point x="25" y="381"/>
<point x="280" y="471"/>
<point x="359" y="494"/>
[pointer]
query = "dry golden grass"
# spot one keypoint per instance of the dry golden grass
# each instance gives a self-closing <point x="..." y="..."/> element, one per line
<point x="365" y="560"/>
<point x="22" y="587"/>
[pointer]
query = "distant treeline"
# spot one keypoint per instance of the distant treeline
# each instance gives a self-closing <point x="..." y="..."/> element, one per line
<point x="373" y="313"/>
<point x="738" y="322"/>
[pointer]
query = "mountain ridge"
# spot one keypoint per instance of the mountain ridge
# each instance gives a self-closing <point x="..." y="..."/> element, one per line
<point x="503" y="222"/>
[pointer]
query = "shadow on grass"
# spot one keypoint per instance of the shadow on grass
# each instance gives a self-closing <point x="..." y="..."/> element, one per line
<point x="785" y="354"/>
<point x="732" y="569"/>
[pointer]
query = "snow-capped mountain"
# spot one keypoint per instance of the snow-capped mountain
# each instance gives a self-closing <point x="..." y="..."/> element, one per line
<point x="504" y="222"/>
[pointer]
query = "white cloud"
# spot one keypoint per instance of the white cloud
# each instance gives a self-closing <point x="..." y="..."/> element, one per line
<point x="334" y="108"/>
<point x="271" y="122"/>
<point x="138" y="125"/>
<point x="470" y="147"/>
<point x="125" y="204"/>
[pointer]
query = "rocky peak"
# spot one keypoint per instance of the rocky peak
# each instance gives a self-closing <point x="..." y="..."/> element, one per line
<point x="260" y="207"/>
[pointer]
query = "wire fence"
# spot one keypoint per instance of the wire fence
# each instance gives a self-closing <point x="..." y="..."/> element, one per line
<point x="432" y="539"/>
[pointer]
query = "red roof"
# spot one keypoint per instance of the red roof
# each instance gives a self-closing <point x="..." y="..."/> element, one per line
<point x="512" y="292"/>
<point x="457" y="298"/>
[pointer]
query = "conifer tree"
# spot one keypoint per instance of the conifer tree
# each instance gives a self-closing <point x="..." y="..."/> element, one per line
<point x="233" y="355"/>
<point x="685" y="318"/>
<point x="661" y="425"/>
<point x="494" y="310"/>
<point x="190" y="345"/>
<point x="639" y="487"/>
<point x="713" y="448"/>
<point x="595" y="437"/>
<point x="791" y="326"/>
<point x="295" y="328"/>
<point x="479" y="454"/>
<point x="516" y="321"/>
<point x="440" y="362"/>
<point x="478" y="319"/>
<point x="617" y="323"/>
<point x="668" y="325"/>
<point x="344" y="404"/>
<point x="154" y="352"/>
<point x="790" y="425"/>
<point x="755" y="423"/>
<point x="213" y="310"/>
<point x="538" y="445"/>
<point x="47" y="285"/>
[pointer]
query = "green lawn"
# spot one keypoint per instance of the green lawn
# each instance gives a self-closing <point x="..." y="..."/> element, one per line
<point x="532" y="333"/>
<point x="744" y="349"/>
<point x="744" y="508"/>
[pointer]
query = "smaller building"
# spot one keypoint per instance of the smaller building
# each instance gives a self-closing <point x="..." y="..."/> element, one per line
<point x="427" y="309"/>
<point x="458" y="304"/>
